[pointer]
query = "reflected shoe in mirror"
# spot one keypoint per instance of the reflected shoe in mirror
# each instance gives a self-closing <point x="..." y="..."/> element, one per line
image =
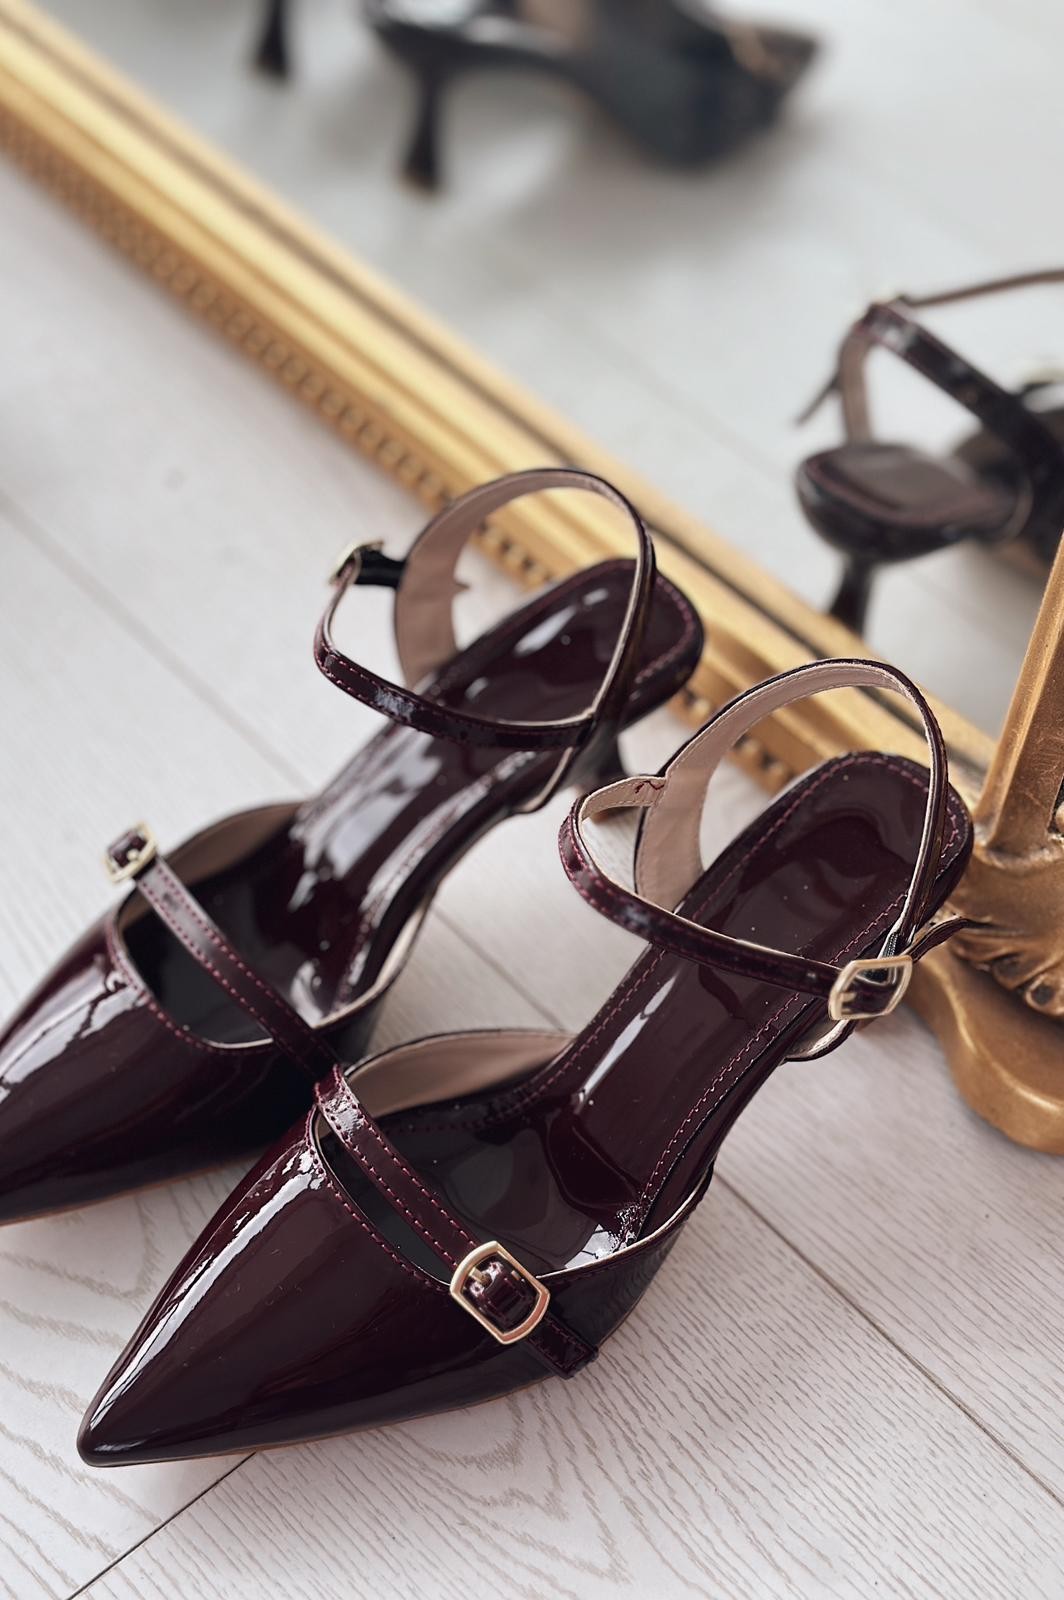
<point x="468" y="1214"/>
<point x="878" y="502"/>
<point x="190" y="1024"/>
<point x="686" y="84"/>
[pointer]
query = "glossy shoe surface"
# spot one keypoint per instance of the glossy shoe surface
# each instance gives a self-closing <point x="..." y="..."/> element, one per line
<point x="315" y="1302"/>
<point x="102" y="1088"/>
<point x="130" y="1063"/>
<point x="879" y="502"/>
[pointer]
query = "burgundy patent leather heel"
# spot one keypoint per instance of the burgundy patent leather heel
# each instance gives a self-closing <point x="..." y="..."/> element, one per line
<point x="879" y="502"/>
<point x="191" y="1024"/>
<point x="471" y="1213"/>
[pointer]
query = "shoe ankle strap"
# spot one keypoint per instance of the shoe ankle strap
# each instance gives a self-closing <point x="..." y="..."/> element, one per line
<point x="668" y="859"/>
<point x="425" y="586"/>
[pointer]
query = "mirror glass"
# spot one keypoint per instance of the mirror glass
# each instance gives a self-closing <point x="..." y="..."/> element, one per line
<point x="682" y="316"/>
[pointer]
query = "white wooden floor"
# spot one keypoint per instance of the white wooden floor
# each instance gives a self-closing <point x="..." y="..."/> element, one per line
<point x="866" y="1396"/>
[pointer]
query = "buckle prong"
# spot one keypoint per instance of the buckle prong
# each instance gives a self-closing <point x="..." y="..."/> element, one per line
<point x="842" y="1001"/>
<point x="470" y="1268"/>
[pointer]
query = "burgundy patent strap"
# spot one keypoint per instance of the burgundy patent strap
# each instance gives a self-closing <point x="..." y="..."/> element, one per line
<point x="425" y="586"/>
<point x="890" y="325"/>
<point x="496" y="1291"/>
<point x="1001" y="412"/>
<point x="668" y="858"/>
<point x="134" y="857"/>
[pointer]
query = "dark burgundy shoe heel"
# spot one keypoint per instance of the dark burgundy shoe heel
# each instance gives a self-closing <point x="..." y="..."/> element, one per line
<point x="878" y="502"/>
<point x="422" y="163"/>
<point x="190" y="1025"/>
<point x="467" y="1214"/>
<point x="271" y="52"/>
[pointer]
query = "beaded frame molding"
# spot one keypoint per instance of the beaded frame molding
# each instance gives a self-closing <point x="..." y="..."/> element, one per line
<point x="399" y="388"/>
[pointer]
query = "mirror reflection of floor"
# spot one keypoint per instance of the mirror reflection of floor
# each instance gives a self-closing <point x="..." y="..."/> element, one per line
<point x="684" y="320"/>
<point x="847" y="1380"/>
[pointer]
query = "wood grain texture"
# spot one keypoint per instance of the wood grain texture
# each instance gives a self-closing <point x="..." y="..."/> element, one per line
<point x="848" y="1380"/>
<point x="748" y="1435"/>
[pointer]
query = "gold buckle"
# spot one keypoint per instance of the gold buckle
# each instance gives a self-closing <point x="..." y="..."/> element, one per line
<point x="840" y="1000"/>
<point x="349" y="564"/>
<point x="469" y="1268"/>
<point x="137" y="860"/>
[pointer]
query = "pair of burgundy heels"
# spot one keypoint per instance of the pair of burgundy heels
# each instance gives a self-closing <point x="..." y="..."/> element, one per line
<point x="463" y="1215"/>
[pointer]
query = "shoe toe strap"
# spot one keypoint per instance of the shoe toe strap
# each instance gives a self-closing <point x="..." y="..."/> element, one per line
<point x="486" y="1280"/>
<point x="135" y="858"/>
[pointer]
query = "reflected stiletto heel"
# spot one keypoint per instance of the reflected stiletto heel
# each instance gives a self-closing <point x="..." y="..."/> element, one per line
<point x="271" y="52"/>
<point x="191" y="1024"/>
<point x="421" y="163"/>
<point x="468" y="1214"/>
<point x="879" y="502"/>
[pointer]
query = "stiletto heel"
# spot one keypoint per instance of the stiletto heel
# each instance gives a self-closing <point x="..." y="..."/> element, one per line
<point x="878" y="502"/>
<point x="470" y="1213"/>
<point x="272" y="54"/>
<point x="191" y="1024"/>
<point x="421" y="164"/>
<point x="604" y="765"/>
<point x="850" y="605"/>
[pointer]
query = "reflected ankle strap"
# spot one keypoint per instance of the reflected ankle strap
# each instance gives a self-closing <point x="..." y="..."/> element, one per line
<point x="889" y="324"/>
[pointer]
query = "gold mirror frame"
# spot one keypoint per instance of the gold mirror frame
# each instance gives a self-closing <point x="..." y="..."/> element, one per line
<point x="403" y="391"/>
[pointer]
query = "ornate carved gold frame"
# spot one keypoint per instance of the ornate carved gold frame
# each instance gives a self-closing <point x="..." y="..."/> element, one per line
<point x="420" y="403"/>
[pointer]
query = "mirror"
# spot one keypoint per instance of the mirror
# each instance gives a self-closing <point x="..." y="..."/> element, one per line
<point x="681" y="318"/>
